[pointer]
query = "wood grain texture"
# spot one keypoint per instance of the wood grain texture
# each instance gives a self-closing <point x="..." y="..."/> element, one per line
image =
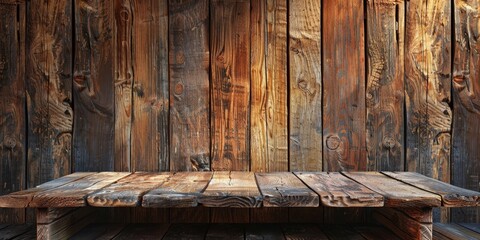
<point x="189" y="64"/>
<point x="305" y="109"/>
<point x="302" y="232"/>
<point x="472" y="226"/>
<point x="428" y="83"/>
<point x="263" y="231"/>
<point x="21" y="199"/>
<point x="65" y="226"/>
<point x="402" y="225"/>
<point x="99" y="231"/>
<point x="336" y="190"/>
<point x="13" y="134"/>
<point x="258" y="87"/>
<point x="16" y="231"/>
<point x="49" y="90"/>
<point x="183" y="231"/>
<point x="93" y="86"/>
<point x="143" y="231"/>
<point x="466" y="104"/>
<point x="395" y="193"/>
<point x="150" y="149"/>
<point x="385" y="85"/>
<point x="452" y="196"/>
<point x="123" y="81"/>
<point x="375" y="232"/>
<point x="285" y="190"/>
<point x="127" y="192"/>
<point x="341" y="232"/>
<point x="232" y="189"/>
<point x="74" y="194"/>
<point x="230" y="96"/>
<point x="179" y="190"/>
<point x="454" y="231"/>
<point x="343" y="86"/>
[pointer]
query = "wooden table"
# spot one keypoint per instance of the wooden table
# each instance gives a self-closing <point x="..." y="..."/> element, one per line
<point x="403" y="201"/>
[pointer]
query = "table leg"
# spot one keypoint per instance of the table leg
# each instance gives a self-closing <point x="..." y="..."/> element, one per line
<point x="406" y="223"/>
<point x="62" y="223"/>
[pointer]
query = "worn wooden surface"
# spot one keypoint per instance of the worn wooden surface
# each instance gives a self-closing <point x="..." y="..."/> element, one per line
<point x="454" y="231"/>
<point x="466" y="104"/>
<point x="402" y="225"/>
<point x="63" y="226"/>
<point x="385" y="85"/>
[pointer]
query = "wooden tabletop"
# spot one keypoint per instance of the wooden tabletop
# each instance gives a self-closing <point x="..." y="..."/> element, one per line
<point x="243" y="190"/>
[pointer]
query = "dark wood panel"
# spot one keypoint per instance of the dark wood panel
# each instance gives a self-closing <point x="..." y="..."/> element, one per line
<point x="230" y="97"/>
<point x="189" y="65"/>
<point x="93" y="86"/>
<point x="13" y="133"/>
<point x="385" y="85"/>
<point x="305" y="109"/>
<point x="466" y="104"/>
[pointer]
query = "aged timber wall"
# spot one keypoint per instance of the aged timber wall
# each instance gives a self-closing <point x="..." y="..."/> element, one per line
<point x="260" y="85"/>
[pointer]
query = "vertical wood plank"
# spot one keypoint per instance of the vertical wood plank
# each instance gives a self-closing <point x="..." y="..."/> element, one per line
<point x="189" y="66"/>
<point x="12" y="106"/>
<point x="93" y="86"/>
<point x="123" y="83"/>
<point x="385" y="85"/>
<point x="49" y="90"/>
<point x="305" y="116"/>
<point x="428" y="82"/>
<point x="150" y="89"/>
<point x="230" y="97"/>
<point x="466" y="104"/>
<point x="344" y="86"/>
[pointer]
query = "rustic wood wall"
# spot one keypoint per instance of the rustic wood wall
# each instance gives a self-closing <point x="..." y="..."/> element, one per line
<point x="261" y="85"/>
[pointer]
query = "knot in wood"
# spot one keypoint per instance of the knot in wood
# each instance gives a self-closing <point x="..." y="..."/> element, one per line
<point x="178" y="88"/>
<point x="333" y="142"/>
<point x="9" y="142"/>
<point x="389" y="142"/>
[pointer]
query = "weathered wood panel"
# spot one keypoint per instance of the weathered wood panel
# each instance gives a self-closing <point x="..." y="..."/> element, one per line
<point x="305" y="109"/>
<point x="13" y="141"/>
<point x="454" y="231"/>
<point x="225" y="231"/>
<point x="385" y="90"/>
<point x="143" y="231"/>
<point x="189" y="64"/>
<point x="466" y="105"/>
<point x="93" y="86"/>
<point x="49" y="90"/>
<point x="64" y="226"/>
<point x="402" y="225"/>
<point x="343" y="86"/>
<point x="183" y="231"/>
<point x="230" y="97"/>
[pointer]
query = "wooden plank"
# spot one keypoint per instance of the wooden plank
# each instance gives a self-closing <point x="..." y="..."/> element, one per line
<point x="343" y="86"/>
<point x="123" y="68"/>
<point x="263" y="231"/>
<point x="466" y="104"/>
<point x="184" y="231"/>
<point x="402" y="225"/>
<point x="74" y="194"/>
<point x="285" y="190"/>
<point x="149" y="136"/>
<point x="225" y="231"/>
<point x="454" y="231"/>
<point x="258" y="87"/>
<point x="336" y="232"/>
<point x="232" y="189"/>
<point x="395" y="193"/>
<point x="127" y="192"/>
<point x="99" y="231"/>
<point x="93" y="87"/>
<point x="385" y="85"/>
<point x="452" y="196"/>
<point x="189" y="65"/>
<point x="143" y="231"/>
<point x="423" y="215"/>
<point x="336" y="190"/>
<point x="305" y="111"/>
<point x="229" y="215"/>
<point x="64" y="226"/>
<point x="13" y="129"/>
<point x="472" y="226"/>
<point x="21" y="199"/>
<point x="375" y="232"/>
<point x="32" y="234"/>
<point x="15" y="231"/>
<point x="179" y="190"/>
<point x="302" y="232"/>
<point x="230" y="97"/>
<point x="428" y="87"/>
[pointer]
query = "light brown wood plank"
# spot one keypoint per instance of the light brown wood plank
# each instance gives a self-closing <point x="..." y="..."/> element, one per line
<point x="305" y="111"/>
<point x="99" y="231"/>
<point x="232" y="189"/>
<point x="21" y="199"/>
<point x="284" y="189"/>
<point x="180" y="190"/>
<point x="127" y="192"/>
<point x="395" y="193"/>
<point x="230" y="96"/>
<point x="74" y="194"/>
<point x="336" y="190"/>
<point x="466" y="104"/>
<point x="452" y="196"/>
<point x="143" y="231"/>
<point x="303" y="232"/>
<point x="454" y="231"/>
<point x="385" y="91"/>
<point x="186" y="231"/>
<point x="402" y="225"/>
